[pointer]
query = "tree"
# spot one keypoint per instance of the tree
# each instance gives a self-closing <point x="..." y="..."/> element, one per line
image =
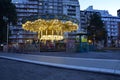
<point x="96" y="30"/>
<point x="8" y="11"/>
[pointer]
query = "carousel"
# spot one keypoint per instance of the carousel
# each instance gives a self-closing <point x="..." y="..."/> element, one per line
<point x="50" y="29"/>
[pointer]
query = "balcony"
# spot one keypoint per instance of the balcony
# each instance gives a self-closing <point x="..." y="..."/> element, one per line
<point x="27" y="11"/>
<point x="21" y="37"/>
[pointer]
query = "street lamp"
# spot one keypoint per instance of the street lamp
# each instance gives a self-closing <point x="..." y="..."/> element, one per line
<point x="18" y="37"/>
<point x="6" y="20"/>
<point x="94" y="40"/>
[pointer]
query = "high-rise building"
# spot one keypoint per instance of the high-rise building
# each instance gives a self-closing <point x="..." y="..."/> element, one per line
<point x="112" y="27"/>
<point x="85" y="17"/>
<point x="71" y="8"/>
<point x="27" y="8"/>
<point x="112" y="23"/>
<point x="24" y="8"/>
<point x="118" y="13"/>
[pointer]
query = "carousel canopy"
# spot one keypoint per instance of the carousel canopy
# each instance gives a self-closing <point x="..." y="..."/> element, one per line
<point x="50" y="29"/>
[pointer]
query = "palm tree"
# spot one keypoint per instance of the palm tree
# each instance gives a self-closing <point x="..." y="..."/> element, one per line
<point x="7" y="15"/>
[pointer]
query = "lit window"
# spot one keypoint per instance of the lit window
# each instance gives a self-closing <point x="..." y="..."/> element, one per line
<point x="51" y="7"/>
<point x="40" y="3"/>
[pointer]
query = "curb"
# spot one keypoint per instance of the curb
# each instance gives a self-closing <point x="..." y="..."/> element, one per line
<point x="92" y="69"/>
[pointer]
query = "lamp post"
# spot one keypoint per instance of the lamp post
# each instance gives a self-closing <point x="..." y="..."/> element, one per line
<point x="18" y="37"/>
<point x="17" y="41"/>
<point x="7" y="36"/>
<point x="94" y="39"/>
<point x="6" y="20"/>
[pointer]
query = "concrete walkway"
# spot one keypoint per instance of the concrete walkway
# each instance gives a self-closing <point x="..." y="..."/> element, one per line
<point x="87" y="64"/>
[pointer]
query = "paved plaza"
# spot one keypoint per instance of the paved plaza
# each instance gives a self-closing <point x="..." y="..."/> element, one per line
<point x="15" y="70"/>
<point x="106" y="65"/>
<point x="107" y="62"/>
<point x="108" y="54"/>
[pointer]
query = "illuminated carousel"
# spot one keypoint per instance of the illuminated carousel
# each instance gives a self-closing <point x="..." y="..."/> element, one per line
<point x="49" y="27"/>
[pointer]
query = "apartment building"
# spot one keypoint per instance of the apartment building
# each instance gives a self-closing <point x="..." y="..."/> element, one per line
<point x="118" y="13"/>
<point x="26" y="8"/>
<point x="112" y="23"/>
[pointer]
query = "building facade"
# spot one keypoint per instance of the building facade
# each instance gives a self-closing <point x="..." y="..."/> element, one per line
<point x="112" y="27"/>
<point x="71" y="8"/>
<point x="85" y="17"/>
<point x="27" y="8"/>
<point x="24" y="8"/>
<point x="112" y="23"/>
<point x="118" y="13"/>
